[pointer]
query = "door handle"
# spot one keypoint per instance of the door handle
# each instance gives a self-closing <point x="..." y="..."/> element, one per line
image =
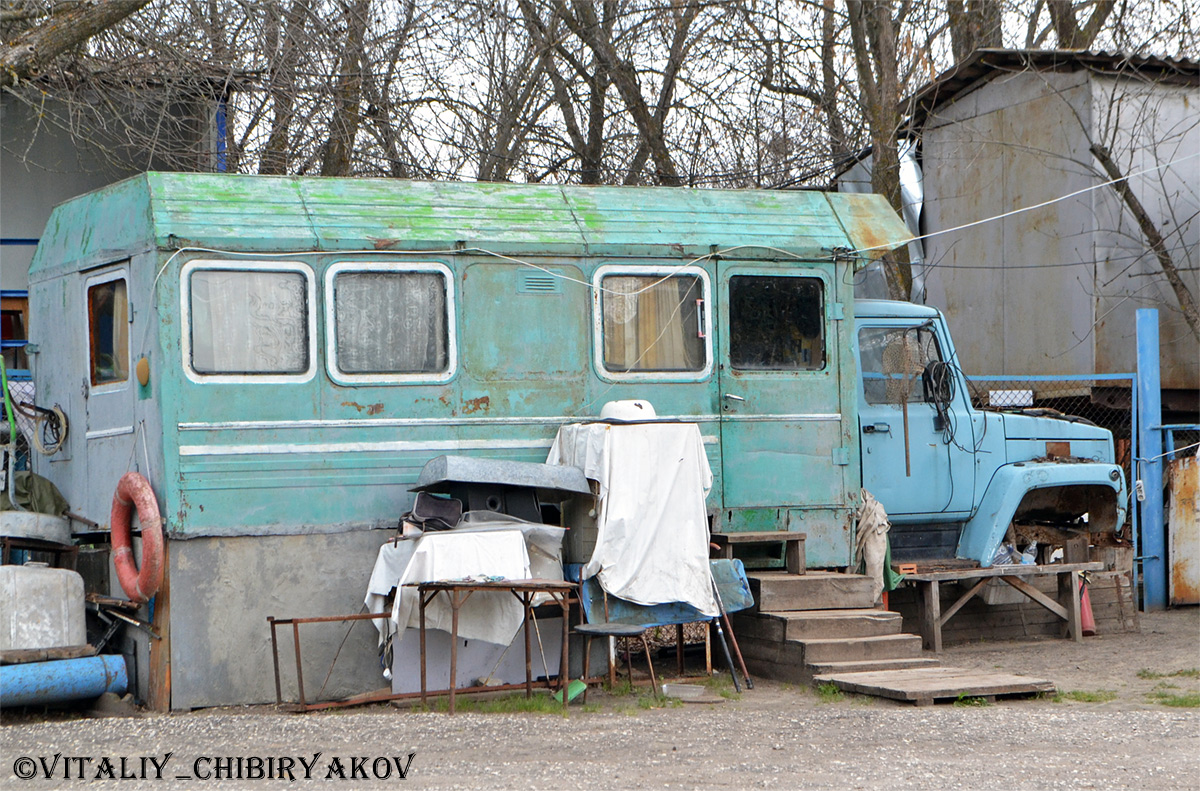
<point x="877" y="428"/>
<point x="733" y="397"/>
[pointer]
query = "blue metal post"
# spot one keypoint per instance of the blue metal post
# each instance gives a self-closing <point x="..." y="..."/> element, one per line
<point x="1154" y="544"/>
<point x="222" y="122"/>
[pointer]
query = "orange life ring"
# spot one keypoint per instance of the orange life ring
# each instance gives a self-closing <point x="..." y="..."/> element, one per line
<point x="133" y="490"/>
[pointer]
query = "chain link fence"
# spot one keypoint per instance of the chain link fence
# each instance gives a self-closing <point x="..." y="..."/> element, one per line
<point x="1183" y="441"/>
<point x="21" y="392"/>
<point x="1103" y="401"/>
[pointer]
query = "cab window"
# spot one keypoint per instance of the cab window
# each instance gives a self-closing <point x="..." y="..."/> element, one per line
<point x="893" y="360"/>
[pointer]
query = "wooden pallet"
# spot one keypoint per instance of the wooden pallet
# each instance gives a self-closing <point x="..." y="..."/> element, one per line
<point x="924" y="686"/>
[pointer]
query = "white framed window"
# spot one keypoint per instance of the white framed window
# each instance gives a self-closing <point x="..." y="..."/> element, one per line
<point x="390" y="322"/>
<point x="652" y="323"/>
<point x="248" y="321"/>
<point x="107" y="300"/>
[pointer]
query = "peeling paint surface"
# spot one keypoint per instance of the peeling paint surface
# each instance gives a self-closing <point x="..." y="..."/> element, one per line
<point x="1183" y="530"/>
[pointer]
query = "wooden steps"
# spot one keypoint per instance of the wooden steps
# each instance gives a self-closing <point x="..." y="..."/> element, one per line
<point x="821" y="628"/>
<point x="778" y="591"/>
<point x="924" y="686"/>
<point x="798" y="625"/>
<point x="847" y="649"/>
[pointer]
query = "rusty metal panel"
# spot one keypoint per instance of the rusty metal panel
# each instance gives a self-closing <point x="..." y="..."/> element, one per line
<point x="871" y="223"/>
<point x="1183" y="532"/>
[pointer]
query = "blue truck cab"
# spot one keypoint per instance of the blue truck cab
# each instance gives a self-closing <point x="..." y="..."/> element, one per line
<point x="952" y="476"/>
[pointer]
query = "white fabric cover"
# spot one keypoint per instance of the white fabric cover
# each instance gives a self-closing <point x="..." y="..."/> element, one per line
<point x="451" y="555"/>
<point x="652" y="528"/>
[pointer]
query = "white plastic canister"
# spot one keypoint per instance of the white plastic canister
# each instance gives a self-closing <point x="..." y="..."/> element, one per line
<point x="40" y="607"/>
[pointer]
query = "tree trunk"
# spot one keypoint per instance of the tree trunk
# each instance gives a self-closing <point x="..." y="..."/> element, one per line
<point x="39" y="45"/>
<point x="274" y="160"/>
<point x="973" y="25"/>
<point x="347" y="96"/>
<point x="583" y="23"/>
<point x="873" y="39"/>
<point x="1066" y="24"/>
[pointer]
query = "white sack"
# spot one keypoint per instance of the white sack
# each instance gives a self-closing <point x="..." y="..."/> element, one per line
<point x="873" y="526"/>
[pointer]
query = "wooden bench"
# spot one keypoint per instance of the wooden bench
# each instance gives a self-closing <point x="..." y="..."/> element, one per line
<point x="929" y="602"/>
<point x="793" y="553"/>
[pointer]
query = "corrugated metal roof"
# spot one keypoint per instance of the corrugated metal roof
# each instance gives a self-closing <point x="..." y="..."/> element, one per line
<point x="264" y="213"/>
<point x="985" y="64"/>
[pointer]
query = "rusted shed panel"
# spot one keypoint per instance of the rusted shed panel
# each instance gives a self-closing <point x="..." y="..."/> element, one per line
<point x="1183" y="531"/>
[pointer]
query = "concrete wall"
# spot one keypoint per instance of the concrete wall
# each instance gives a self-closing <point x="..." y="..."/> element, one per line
<point x="223" y="589"/>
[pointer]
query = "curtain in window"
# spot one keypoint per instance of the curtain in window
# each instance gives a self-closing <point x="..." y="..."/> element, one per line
<point x="391" y="322"/>
<point x="249" y="322"/>
<point x="108" y="314"/>
<point x="655" y="330"/>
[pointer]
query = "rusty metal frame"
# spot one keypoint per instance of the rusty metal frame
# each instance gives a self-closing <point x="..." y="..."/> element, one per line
<point x="383" y="696"/>
<point x="303" y="704"/>
<point x="458" y="591"/>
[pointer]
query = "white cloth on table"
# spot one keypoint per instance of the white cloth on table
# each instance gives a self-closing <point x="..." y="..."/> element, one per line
<point x="451" y="555"/>
<point x="390" y="565"/>
<point x="652" y="528"/>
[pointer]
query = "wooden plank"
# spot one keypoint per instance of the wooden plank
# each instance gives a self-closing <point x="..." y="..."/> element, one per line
<point x="930" y="616"/>
<point x="1015" y="569"/>
<point x="20" y="656"/>
<point x="1038" y="596"/>
<point x="757" y="537"/>
<point x="922" y="685"/>
<point x="1068" y="594"/>
<point x="160" y="650"/>
<point x="958" y="605"/>
<point x="793" y="556"/>
<point x="1075" y="550"/>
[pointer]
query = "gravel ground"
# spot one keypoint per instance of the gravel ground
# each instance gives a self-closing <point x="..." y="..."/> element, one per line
<point x="775" y="736"/>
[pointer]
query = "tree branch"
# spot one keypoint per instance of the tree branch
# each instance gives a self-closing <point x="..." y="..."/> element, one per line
<point x="1121" y="184"/>
<point x="36" y="47"/>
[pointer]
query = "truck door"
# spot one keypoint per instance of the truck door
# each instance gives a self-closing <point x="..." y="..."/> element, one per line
<point x="916" y="458"/>
<point x="780" y="403"/>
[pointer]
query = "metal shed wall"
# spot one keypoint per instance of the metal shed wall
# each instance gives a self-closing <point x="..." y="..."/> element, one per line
<point x="1065" y="278"/>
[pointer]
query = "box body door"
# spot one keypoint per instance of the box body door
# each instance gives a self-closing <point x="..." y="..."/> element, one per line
<point x="784" y="458"/>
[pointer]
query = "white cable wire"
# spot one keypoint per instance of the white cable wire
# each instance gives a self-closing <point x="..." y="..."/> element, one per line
<point x="1030" y="208"/>
<point x="36" y="434"/>
<point x="672" y="271"/>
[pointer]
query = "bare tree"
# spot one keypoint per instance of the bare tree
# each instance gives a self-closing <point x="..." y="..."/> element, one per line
<point x="873" y="33"/>
<point x="1187" y="302"/>
<point x="66" y="26"/>
<point x="975" y="24"/>
<point x="1065" y="16"/>
<point x="746" y="92"/>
